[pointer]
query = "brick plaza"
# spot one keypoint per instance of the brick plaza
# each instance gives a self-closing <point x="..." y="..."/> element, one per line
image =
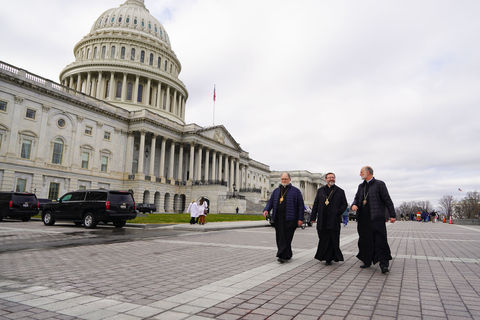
<point x="233" y="274"/>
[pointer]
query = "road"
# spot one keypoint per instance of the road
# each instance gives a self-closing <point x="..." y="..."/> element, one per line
<point x="68" y="272"/>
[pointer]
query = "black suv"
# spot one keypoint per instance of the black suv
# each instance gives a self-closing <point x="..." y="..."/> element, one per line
<point x="88" y="207"/>
<point x="18" y="205"/>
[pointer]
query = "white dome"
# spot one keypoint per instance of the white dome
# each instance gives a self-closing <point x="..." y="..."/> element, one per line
<point x="132" y="16"/>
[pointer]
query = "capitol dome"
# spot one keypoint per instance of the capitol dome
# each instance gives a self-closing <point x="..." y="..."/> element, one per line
<point x="127" y="60"/>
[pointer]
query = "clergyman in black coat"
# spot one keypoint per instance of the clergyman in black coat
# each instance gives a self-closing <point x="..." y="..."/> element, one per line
<point x="371" y="203"/>
<point x="328" y="207"/>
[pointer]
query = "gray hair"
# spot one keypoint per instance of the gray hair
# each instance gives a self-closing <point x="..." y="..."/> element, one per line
<point x="288" y="174"/>
<point x="369" y="169"/>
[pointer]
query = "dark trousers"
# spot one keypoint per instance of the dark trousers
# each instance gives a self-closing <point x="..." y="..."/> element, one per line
<point x="284" y="236"/>
<point x="372" y="243"/>
<point x="192" y="220"/>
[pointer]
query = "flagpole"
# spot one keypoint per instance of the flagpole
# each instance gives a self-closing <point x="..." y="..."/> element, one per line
<point x="214" y="98"/>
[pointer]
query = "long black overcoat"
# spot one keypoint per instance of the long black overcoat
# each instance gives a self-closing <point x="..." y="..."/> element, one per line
<point x="334" y="210"/>
<point x="378" y="200"/>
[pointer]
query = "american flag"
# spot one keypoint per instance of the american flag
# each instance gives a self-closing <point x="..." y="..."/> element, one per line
<point x="214" y="94"/>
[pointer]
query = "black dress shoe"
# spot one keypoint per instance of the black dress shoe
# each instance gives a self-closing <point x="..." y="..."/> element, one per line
<point x="328" y="263"/>
<point x="384" y="269"/>
<point x="364" y="266"/>
<point x="281" y="260"/>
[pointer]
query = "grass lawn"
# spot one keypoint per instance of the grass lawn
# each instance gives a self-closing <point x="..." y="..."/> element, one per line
<point x="185" y="218"/>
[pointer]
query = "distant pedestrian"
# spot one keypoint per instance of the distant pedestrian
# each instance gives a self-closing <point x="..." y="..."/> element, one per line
<point x="192" y="209"/>
<point x="202" y="210"/>
<point x="287" y="204"/>
<point x="371" y="202"/>
<point x="236" y="210"/>
<point x="329" y="205"/>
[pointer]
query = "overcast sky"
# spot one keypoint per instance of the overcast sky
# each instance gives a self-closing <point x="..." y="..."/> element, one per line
<point x="312" y="85"/>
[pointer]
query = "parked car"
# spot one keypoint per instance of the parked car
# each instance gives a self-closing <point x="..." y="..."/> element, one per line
<point x="146" y="207"/>
<point x="88" y="207"/>
<point x="18" y="205"/>
<point x="42" y="202"/>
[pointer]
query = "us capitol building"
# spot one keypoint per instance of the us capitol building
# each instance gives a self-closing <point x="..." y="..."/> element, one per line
<point x="116" y="120"/>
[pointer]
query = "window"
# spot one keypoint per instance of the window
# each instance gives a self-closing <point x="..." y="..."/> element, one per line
<point x="140" y="91"/>
<point x="77" y="196"/>
<point x="26" y="148"/>
<point x="1" y="139"/>
<point x="112" y="53"/>
<point x="159" y="63"/>
<point x="104" y="50"/>
<point x="135" y="21"/>
<point x="106" y="135"/>
<point x="170" y="68"/>
<point x="57" y="151"/>
<point x="30" y="113"/>
<point x="118" y="93"/>
<point x="3" y="106"/>
<point x="96" y="195"/>
<point x="53" y="190"/>
<point x="107" y="89"/>
<point x="142" y="56"/>
<point x="21" y="185"/>
<point x="120" y="19"/>
<point x="104" y="164"/>
<point x="122" y="53"/>
<point x="95" y="53"/>
<point x="82" y="187"/>
<point x="129" y="91"/>
<point x="61" y="123"/>
<point x="85" y="158"/>
<point x="151" y="59"/>
<point x="128" y="20"/>
<point x="88" y="53"/>
<point x="88" y="130"/>
<point x="132" y="54"/>
<point x="165" y="65"/>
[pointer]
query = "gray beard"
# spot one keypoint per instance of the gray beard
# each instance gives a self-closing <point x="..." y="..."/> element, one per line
<point x="331" y="184"/>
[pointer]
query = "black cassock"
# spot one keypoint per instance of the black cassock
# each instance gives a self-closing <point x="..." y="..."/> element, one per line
<point x="329" y="218"/>
<point x="284" y="229"/>
<point x="372" y="241"/>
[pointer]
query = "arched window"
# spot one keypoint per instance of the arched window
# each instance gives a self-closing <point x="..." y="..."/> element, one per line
<point x="159" y="63"/>
<point x="122" y="53"/>
<point x="140" y="93"/>
<point x="129" y="91"/>
<point x="57" y="151"/>
<point x="95" y="53"/>
<point x="88" y="53"/>
<point x="118" y="93"/>
<point x="104" y="50"/>
<point x="112" y="53"/>
<point x="165" y="65"/>
<point x="142" y="56"/>
<point x="132" y="54"/>
<point x="151" y="59"/>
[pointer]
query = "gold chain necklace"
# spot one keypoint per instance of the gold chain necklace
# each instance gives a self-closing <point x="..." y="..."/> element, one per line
<point x="283" y="195"/>
<point x="364" y="202"/>
<point x="326" y="201"/>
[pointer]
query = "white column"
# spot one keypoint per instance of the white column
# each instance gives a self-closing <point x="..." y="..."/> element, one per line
<point x="111" y="93"/>
<point x="232" y="174"/>
<point x="174" y="104"/>
<point x="79" y="82"/>
<point x="207" y="158"/>
<point x="151" y="171"/>
<point x="88" y="87"/>
<point x="129" y="155"/>
<point x="192" y="157"/>
<point x="167" y="98"/>
<point x="124" y="87"/>
<point x="225" y="173"/>
<point x="141" y="152"/>
<point x="214" y="165"/>
<point x="159" y="95"/>
<point x="70" y="84"/>
<point x="237" y="173"/>
<point x="135" y="90"/>
<point x="199" y="163"/>
<point x="171" y="163"/>
<point x="220" y="162"/>
<point x="147" y="96"/>
<point x="180" y="164"/>
<point x="99" y="86"/>
<point x="161" y="173"/>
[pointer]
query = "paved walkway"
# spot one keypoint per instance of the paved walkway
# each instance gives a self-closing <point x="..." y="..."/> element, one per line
<point x="232" y="274"/>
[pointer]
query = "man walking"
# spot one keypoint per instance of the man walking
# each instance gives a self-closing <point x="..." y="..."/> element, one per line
<point x="371" y="202"/>
<point x="287" y="204"/>
<point x="328" y="208"/>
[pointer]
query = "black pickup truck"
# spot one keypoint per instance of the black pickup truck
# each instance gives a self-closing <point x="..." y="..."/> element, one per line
<point x="88" y="207"/>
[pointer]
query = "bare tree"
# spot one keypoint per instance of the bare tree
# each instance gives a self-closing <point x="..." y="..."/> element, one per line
<point x="469" y="207"/>
<point x="447" y="203"/>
